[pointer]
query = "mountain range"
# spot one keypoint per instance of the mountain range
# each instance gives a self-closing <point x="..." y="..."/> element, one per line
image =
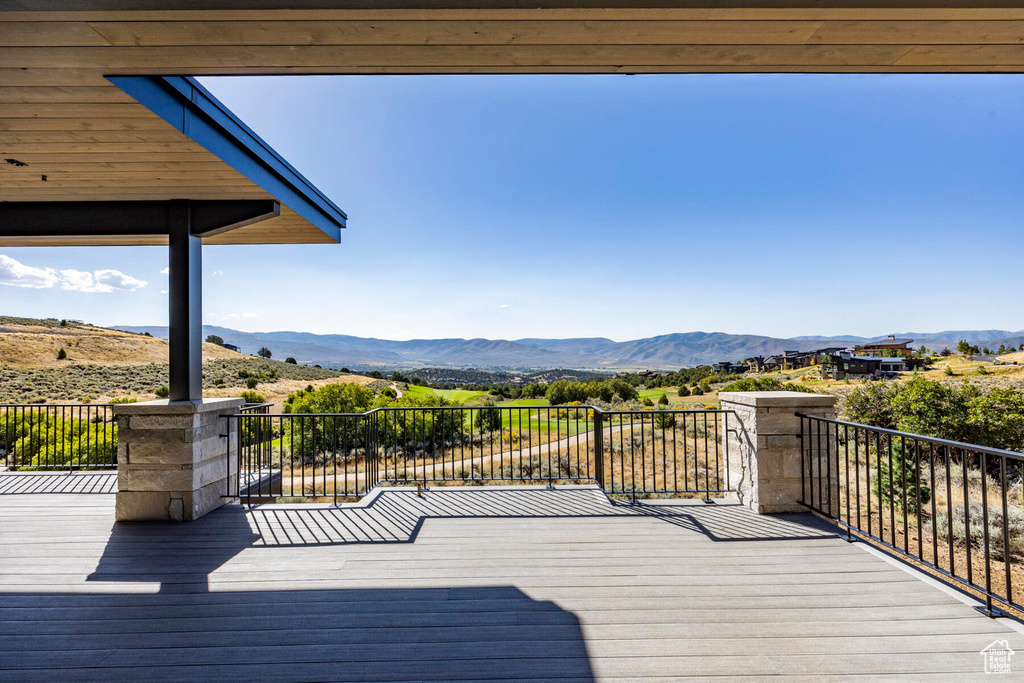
<point x="661" y="352"/>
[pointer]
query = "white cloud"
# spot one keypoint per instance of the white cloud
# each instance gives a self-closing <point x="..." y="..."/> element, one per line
<point x="503" y="306"/>
<point x="115" y="279"/>
<point x="163" y="291"/>
<point x="166" y="271"/>
<point x="216" y="273"/>
<point x="81" y="281"/>
<point x="17" y="274"/>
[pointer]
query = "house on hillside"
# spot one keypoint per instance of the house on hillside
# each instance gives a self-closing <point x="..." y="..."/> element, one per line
<point x="891" y="344"/>
<point x="727" y="367"/>
<point x="847" y="364"/>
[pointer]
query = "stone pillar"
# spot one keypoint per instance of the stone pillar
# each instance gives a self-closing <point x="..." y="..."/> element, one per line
<point x="172" y="458"/>
<point x="765" y="464"/>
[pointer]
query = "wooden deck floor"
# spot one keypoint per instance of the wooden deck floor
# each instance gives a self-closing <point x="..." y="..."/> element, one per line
<point x="466" y="584"/>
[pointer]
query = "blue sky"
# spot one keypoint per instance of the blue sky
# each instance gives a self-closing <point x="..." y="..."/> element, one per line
<point x="618" y="206"/>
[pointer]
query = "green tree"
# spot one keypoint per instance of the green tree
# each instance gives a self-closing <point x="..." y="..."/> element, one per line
<point x="264" y="352"/>
<point x="683" y="390"/>
<point x="61" y="353"/>
<point x="214" y="339"/>
<point x="291" y="360"/>
<point x="487" y="419"/>
<point x="871" y="405"/>
<point x="663" y="400"/>
<point x="963" y="347"/>
<point x="334" y="398"/>
<point x="900" y="482"/>
<point x="664" y="419"/>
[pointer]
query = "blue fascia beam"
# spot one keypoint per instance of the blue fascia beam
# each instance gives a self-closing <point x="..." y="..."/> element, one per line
<point x="192" y="109"/>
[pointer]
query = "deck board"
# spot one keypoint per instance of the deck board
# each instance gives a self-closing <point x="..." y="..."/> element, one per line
<point x="463" y="584"/>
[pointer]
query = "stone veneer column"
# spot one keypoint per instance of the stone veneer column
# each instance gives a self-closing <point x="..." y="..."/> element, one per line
<point x="172" y="460"/>
<point x="765" y="465"/>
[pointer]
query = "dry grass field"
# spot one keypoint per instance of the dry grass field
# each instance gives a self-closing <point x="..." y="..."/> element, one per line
<point x="102" y="364"/>
<point x="35" y="344"/>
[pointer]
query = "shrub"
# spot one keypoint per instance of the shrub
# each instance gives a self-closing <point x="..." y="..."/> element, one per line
<point x="251" y="382"/>
<point x="264" y="352"/>
<point x="958" y="528"/>
<point x="931" y="408"/>
<point x="291" y="361"/>
<point x="61" y="353"/>
<point x="683" y="390"/>
<point x="663" y="400"/>
<point x="253" y="397"/>
<point x="163" y="391"/>
<point x="871" y="405"/>
<point x="764" y="384"/>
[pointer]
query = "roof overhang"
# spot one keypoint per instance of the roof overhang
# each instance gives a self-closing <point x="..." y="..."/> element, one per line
<point x="84" y="185"/>
<point x="92" y="100"/>
<point x="191" y="109"/>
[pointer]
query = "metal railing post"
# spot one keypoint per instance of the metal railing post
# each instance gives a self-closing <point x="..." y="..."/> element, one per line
<point x="599" y="447"/>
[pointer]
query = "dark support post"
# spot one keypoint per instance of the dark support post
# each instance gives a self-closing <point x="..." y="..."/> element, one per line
<point x="186" y="305"/>
<point x="599" y="447"/>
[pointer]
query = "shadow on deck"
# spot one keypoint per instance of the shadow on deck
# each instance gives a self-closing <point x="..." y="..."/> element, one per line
<point x="523" y="584"/>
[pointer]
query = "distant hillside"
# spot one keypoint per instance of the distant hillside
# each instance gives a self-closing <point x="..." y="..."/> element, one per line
<point x="101" y="364"/>
<point x="591" y="353"/>
<point x="28" y="342"/>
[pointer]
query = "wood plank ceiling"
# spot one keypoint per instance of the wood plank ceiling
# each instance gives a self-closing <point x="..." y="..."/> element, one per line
<point x="59" y="115"/>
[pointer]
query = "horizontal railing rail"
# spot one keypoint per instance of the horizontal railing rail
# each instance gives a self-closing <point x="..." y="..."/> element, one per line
<point x="955" y="508"/>
<point x="327" y="456"/>
<point x="58" y="436"/>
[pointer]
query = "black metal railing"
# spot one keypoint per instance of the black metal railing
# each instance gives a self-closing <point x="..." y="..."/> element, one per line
<point x="667" y="452"/>
<point x="331" y="456"/>
<point x="58" y="437"/>
<point x="956" y="508"/>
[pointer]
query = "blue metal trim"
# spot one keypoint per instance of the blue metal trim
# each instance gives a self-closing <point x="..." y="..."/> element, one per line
<point x="189" y="107"/>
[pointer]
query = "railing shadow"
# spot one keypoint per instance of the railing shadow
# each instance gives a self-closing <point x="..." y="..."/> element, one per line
<point x="14" y="483"/>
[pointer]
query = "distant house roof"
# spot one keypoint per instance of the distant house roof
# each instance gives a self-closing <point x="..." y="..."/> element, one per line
<point x="884" y="343"/>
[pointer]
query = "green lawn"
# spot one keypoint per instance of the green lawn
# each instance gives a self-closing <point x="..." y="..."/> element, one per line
<point x="454" y="395"/>
<point x="524" y="402"/>
<point x="655" y="394"/>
